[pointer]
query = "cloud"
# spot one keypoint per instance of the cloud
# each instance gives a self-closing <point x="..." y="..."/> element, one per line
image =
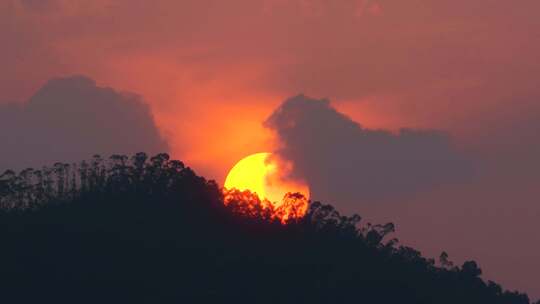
<point x="349" y="165"/>
<point x="70" y="119"/>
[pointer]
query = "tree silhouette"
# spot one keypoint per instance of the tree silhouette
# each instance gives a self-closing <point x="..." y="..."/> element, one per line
<point x="145" y="229"/>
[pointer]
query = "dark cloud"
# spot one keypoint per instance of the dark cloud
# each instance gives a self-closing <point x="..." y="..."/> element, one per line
<point x="70" y="119"/>
<point x="347" y="164"/>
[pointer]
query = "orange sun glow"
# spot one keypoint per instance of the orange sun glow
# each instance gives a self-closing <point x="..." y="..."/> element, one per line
<point x="261" y="174"/>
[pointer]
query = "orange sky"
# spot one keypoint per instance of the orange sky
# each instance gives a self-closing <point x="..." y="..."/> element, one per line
<point x="213" y="71"/>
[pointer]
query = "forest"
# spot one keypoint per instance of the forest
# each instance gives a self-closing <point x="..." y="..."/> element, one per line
<point x="140" y="229"/>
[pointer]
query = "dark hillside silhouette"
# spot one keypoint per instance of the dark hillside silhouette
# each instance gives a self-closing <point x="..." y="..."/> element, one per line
<point x="139" y="230"/>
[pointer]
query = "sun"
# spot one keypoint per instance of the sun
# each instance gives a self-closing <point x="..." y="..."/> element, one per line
<point x="261" y="174"/>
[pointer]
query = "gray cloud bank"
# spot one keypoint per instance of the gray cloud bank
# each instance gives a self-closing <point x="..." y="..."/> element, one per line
<point x="350" y="165"/>
<point x="71" y="119"/>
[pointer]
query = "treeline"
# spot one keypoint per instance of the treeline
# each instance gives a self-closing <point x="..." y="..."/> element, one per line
<point x="139" y="174"/>
<point x="149" y="230"/>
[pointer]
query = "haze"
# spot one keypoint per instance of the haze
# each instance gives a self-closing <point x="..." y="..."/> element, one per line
<point x="212" y="72"/>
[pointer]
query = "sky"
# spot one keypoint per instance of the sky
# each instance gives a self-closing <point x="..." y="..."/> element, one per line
<point x="205" y="80"/>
